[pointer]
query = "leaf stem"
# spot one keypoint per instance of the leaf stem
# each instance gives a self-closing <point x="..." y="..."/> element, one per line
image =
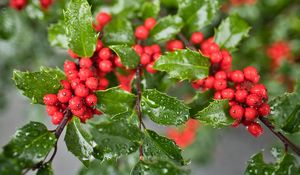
<point x="287" y="143"/>
<point x="186" y="41"/>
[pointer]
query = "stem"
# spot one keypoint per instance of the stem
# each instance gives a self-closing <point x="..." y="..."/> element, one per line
<point x="186" y="41"/>
<point x="287" y="143"/>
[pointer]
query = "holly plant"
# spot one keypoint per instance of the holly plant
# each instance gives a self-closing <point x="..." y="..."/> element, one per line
<point x="123" y="58"/>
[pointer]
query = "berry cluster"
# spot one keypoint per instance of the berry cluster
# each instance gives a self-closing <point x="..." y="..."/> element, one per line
<point x="247" y="98"/>
<point x="21" y="4"/>
<point x="278" y="51"/>
<point x="185" y="137"/>
<point x="142" y="31"/>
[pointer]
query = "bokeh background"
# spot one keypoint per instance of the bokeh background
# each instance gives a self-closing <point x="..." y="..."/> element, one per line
<point x="273" y="46"/>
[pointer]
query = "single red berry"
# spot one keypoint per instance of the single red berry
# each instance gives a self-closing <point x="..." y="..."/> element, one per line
<point x="220" y="84"/>
<point x="149" y="23"/>
<point x="85" y="74"/>
<point x="221" y="75"/>
<point x="75" y="82"/>
<point x="118" y="61"/>
<point x="76" y="103"/>
<point x="226" y="61"/>
<point x="209" y="82"/>
<point x="227" y="93"/>
<point x="250" y="114"/>
<point x="138" y="49"/>
<point x="253" y="100"/>
<point x="65" y="84"/>
<point x="145" y="59"/>
<point x="99" y="45"/>
<point x="237" y="76"/>
<point x="81" y="91"/>
<point x="173" y="45"/>
<point x="92" y="83"/>
<point x="150" y="69"/>
<point x="69" y="65"/>
<point x="57" y="117"/>
<point x="104" y="53"/>
<point x="64" y="95"/>
<point x="148" y="50"/>
<point x="216" y="57"/>
<point x="51" y="110"/>
<point x="103" y="82"/>
<point x="255" y="129"/>
<point x="18" y="4"/>
<point x="79" y="112"/>
<point x="141" y="32"/>
<point x="241" y="95"/>
<point x="212" y="48"/>
<point x="197" y="38"/>
<point x="232" y="103"/>
<point x="156" y="56"/>
<point x="50" y="99"/>
<point x="72" y="54"/>
<point x="85" y="63"/>
<point x="105" y="66"/>
<point x="236" y="112"/>
<point x="259" y="90"/>
<point x="103" y="18"/>
<point x="250" y="72"/>
<point x="72" y="74"/>
<point x="264" y="110"/>
<point x="45" y="4"/>
<point x="218" y="95"/>
<point x="91" y="100"/>
<point x="156" y="48"/>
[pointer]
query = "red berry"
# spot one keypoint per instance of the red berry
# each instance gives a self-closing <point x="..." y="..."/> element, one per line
<point x="220" y="84"/>
<point x="141" y="32"/>
<point x="81" y="91"/>
<point x="221" y="75"/>
<point x="197" y="38"/>
<point x="209" y="82"/>
<point x="149" y="23"/>
<point x="79" y="112"/>
<point x="250" y="114"/>
<point x="212" y="48"/>
<point x="255" y="129"/>
<point x="259" y="90"/>
<point x="156" y="56"/>
<point x="72" y="74"/>
<point x="118" y="61"/>
<point x="138" y="49"/>
<point x="85" y="63"/>
<point x="65" y="84"/>
<point x="264" y="110"/>
<point x="216" y="57"/>
<point x="104" y="53"/>
<point x="250" y="72"/>
<point x="75" y="83"/>
<point x="46" y="3"/>
<point x="72" y="54"/>
<point x="148" y="50"/>
<point x="75" y="103"/>
<point x="236" y="112"/>
<point x="85" y="74"/>
<point x="232" y="103"/>
<point x="145" y="59"/>
<point x="241" y="95"/>
<point x="17" y="4"/>
<point x="237" y="76"/>
<point x="156" y="48"/>
<point x="218" y="95"/>
<point x="103" y="82"/>
<point x="226" y="61"/>
<point x="227" y="93"/>
<point x="105" y="66"/>
<point x="150" y="69"/>
<point x="57" y="117"/>
<point x="99" y="45"/>
<point x="92" y="83"/>
<point x="103" y="18"/>
<point x="69" y="65"/>
<point x="64" y="95"/>
<point x="253" y="100"/>
<point x="50" y="99"/>
<point x="91" y="100"/>
<point x="51" y="110"/>
<point x="173" y="45"/>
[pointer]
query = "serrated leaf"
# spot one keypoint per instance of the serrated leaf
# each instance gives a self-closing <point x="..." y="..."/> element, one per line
<point x="128" y="56"/>
<point x="57" y="35"/>
<point x="216" y="114"/>
<point x="155" y="146"/>
<point x="231" y="31"/>
<point x="166" y="28"/>
<point x="46" y="169"/>
<point x="115" y="101"/>
<point x="197" y="14"/>
<point x="31" y="143"/>
<point x="37" y="84"/>
<point x="150" y="9"/>
<point x="200" y="101"/>
<point x="79" y="142"/>
<point x="116" y="138"/>
<point x="118" y="32"/>
<point x="183" y="64"/>
<point x="79" y="29"/>
<point x="163" y="109"/>
<point x="157" y="167"/>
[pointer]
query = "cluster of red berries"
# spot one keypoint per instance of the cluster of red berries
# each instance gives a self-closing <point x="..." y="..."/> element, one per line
<point x="186" y="136"/>
<point x="247" y="98"/>
<point x="278" y="51"/>
<point x="21" y="4"/>
<point x="142" y="31"/>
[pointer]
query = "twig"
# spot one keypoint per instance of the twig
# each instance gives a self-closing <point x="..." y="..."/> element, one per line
<point x="287" y="143"/>
<point x="186" y="41"/>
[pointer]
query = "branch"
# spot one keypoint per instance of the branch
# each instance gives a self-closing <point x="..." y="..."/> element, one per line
<point x="287" y="143"/>
<point x="186" y="41"/>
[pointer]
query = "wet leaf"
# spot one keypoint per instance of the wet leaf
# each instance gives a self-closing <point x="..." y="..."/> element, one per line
<point x="46" y="169"/>
<point x="128" y="56"/>
<point x="150" y="9"/>
<point x="57" y="35"/>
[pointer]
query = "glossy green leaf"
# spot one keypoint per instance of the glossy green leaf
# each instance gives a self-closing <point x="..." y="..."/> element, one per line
<point x="163" y="109"/>
<point x="200" y="101"/>
<point x="166" y="28"/>
<point x="231" y="31"/>
<point x="79" y="29"/>
<point x="9" y="166"/>
<point x="57" y="35"/>
<point x="216" y="114"/>
<point x="197" y="14"/>
<point x="118" y="32"/>
<point x="150" y="9"/>
<point x="31" y="143"/>
<point x="183" y="64"/>
<point x="155" y="146"/>
<point x="116" y="138"/>
<point x="130" y="117"/>
<point x="115" y="101"/>
<point x="35" y="85"/>
<point x="46" y="169"/>
<point x="79" y="142"/>
<point x="157" y="167"/>
<point x="128" y="56"/>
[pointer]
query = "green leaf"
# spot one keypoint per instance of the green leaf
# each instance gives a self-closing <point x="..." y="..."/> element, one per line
<point x="130" y="117"/>
<point x="31" y="143"/>
<point x="9" y="166"/>
<point x="216" y="114"/>
<point x="200" y="101"/>
<point x="115" y="101"/>
<point x="166" y="28"/>
<point x="57" y="35"/>
<point x="163" y="109"/>
<point x="79" y="142"/>
<point x="155" y="146"/>
<point x="116" y="138"/>
<point x="46" y="169"/>
<point x="157" y="167"/>
<point x="258" y="166"/>
<point x="197" y="14"/>
<point x="37" y="84"/>
<point x="118" y="32"/>
<point x="183" y="64"/>
<point x="128" y="56"/>
<point x="285" y="112"/>
<point x="79" y="29"/>
<point x="231" y="31"/>
<point x="150" y="9"/>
